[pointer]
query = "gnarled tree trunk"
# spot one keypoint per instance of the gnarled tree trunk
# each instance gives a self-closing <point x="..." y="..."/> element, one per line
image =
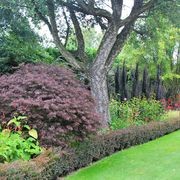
<point x="100" y="93"/>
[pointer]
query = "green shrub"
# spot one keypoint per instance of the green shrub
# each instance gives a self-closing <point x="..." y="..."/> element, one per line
<point x="150" y="110"/>
<point x="17" y="141"/>
<point x="134" y="112"/>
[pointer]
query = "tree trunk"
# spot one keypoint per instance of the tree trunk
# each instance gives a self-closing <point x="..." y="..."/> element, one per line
<point x="145" y="83"/>
<point x="135" y="92"/>
<point x="159" y="93"/>
<point x="124" y="93"/>
<point x="117" y="82"/>
<point x="100" y="93"/>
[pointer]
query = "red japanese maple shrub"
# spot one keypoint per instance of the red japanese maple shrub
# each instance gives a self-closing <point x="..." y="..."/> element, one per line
<point x="56" y="104"/>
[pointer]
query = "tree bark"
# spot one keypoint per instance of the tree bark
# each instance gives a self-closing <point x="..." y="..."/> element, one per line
<point x="99" y="91"/>
<point x="136" y="82"/>
<point x="117" y="82"/>
<point x="159" y="93"/>
<point x="124" y="93"/>
<point x="99" y="75"/>
<point x="145" y="83"/>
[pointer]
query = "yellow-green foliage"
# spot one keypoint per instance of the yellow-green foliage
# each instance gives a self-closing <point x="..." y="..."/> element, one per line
<point x="134" y="112"/>
<point x="18" y="141"/>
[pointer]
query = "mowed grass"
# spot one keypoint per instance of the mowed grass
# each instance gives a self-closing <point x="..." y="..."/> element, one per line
<point x="155" y="160"/>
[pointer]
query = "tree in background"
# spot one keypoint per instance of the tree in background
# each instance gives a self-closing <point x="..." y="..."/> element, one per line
<point x="118" y="82"/>
<point x="123" y="85"/>
<point x="145" y="88"/>
<point x="18" y="42"/>
<point x="136" y="82"/>
<point x="159" y="93"/>
<point x="154" y="43"/>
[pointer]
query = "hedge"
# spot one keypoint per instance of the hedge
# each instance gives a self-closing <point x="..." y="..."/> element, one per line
<point x="57" y="163"/>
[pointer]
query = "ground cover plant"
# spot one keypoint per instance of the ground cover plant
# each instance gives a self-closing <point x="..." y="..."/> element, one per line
<point x="158" y="159"/>
<point x="18" y="141"/>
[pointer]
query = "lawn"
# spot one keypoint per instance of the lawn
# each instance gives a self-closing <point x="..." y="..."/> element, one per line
<point x="157" y="160"/>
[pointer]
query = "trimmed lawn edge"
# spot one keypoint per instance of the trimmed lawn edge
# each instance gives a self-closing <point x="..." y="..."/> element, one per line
<point x="55" y="163"/>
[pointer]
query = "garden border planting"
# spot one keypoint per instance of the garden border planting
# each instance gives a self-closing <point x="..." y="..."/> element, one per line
<point x="51" y="165"/>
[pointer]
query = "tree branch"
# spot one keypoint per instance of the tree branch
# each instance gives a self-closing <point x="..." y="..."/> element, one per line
<point x="117" y="9"/>
<point x="137" y="9"/>
<point x="79" y="35"/>
<point x="118" y="45"/>
<point x="88" y="9"/>
<point x="128" y="23"/>
<point x="100" y="22"/>
<point x="105" y="47"/>
<point x="67" y="55"/>
<point x="68" y="28"/>
<point x="41" y="16"/>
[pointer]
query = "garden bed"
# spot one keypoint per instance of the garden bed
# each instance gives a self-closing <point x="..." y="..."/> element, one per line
<point x="56" y="163"/>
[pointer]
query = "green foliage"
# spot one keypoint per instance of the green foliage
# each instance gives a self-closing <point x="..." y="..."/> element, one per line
<point x="18" y="42"/>
<point x="153" y="44"/>
<point x="172" y="83"/>
<point x="91" y="53"/>
<point x="53" y="52"/>
<point x="149" y="110"/>
<point x="92" y="38"/>
<point x="171" y="76"/>
<point x="134" y="112"/>
<point x="18" y="141"/>
<point x="15" y="50"/>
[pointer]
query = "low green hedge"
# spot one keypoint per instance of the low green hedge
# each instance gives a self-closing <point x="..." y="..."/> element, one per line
<point x="51" y="165"/>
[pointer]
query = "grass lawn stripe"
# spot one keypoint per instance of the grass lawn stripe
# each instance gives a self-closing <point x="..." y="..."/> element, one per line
<point x="155" y="160"/>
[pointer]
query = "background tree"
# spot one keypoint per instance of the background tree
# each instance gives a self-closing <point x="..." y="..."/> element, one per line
<point x="18" y="42"/>
<point x="118" y="82"/>
<point x="123" y="85"/>
<point x="136" y="82"/>
<point x="154" y="43"/>
<point x="145" y="88"/>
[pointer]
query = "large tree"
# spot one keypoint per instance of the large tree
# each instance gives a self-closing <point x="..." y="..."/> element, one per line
<point x="116" y="31"/>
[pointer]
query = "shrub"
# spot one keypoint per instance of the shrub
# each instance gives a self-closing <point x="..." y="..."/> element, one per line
<point x="171" y="103"/>
<point x="15" y="50"/>
<point x="134" y="112"/>
<point x="54" y="101"/>
<point x="150" y="110"/>
<point x="17" y="141"/>
<point x="60" y="164"/>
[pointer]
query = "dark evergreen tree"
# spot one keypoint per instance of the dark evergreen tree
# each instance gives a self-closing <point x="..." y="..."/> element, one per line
<point x="145" y="83"/>
<point x="159" y="93"/>
<point x="124" y="93"/>
<point x="135" y="82"/>
<point x="117" y="82"/>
